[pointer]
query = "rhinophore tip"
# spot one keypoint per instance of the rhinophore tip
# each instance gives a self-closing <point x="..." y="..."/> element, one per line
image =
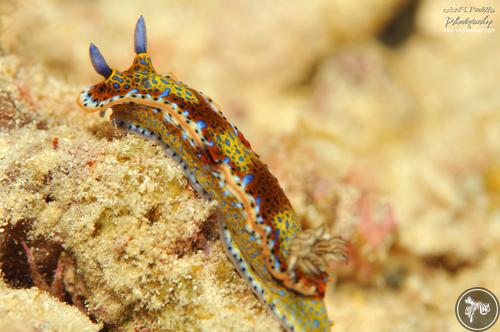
<point x="98" y="62"/>
<point x="140" y="39"/>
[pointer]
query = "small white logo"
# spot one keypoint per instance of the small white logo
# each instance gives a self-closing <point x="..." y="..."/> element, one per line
<point x="484" y="308"/>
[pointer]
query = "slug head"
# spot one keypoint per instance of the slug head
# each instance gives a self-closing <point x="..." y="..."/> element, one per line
<point x="141" y="78"/>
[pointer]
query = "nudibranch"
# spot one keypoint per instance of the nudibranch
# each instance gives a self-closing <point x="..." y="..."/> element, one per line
<point x="284" y="265"/>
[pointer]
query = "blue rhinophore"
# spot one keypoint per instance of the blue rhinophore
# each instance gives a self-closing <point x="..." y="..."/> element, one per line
<point x="140" y="39"/>
<point x="98" y="62"/>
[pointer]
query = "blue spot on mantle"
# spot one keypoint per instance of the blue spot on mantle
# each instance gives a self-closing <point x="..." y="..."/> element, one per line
<point x="165" y="93"/>
<point x="247" y="179"/>
<point x="201" y="124"/>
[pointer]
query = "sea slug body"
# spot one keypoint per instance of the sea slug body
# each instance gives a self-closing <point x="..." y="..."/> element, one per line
<point x="284" y="265"/>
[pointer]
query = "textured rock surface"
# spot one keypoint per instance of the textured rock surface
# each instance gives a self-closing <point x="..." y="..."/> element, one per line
<point x="26" y="310"/>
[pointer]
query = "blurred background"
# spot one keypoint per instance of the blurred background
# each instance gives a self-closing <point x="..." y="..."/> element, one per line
<point x="380" y="118"/>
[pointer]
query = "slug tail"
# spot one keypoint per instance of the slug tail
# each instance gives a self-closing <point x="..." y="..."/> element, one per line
<point x="296" y="312"/>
